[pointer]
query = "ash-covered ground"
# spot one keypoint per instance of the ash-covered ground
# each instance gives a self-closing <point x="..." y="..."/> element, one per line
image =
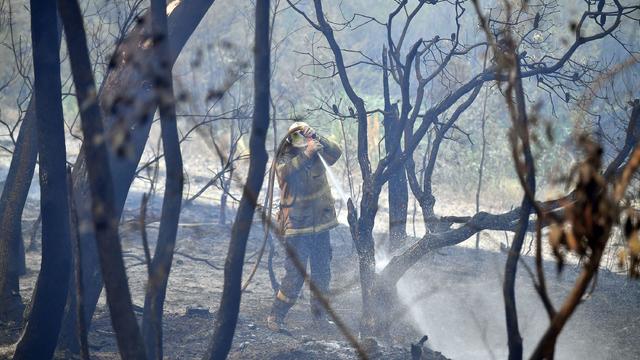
<point x="453" y="295"/>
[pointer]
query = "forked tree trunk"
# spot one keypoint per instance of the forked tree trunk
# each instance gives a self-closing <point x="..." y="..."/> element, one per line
<point x="39" y="337"/>
<point x="14" y="197"/>
<point x="12" y="202"/>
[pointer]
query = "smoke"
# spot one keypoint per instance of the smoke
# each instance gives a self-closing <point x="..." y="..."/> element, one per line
<point x="455" y="297"/>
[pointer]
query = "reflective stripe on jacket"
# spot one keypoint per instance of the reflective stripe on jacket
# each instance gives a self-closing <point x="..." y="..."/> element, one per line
<point x="306" y="203"/>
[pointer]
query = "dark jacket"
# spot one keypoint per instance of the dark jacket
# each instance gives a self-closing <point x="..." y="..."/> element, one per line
<point x="306" y="203"/>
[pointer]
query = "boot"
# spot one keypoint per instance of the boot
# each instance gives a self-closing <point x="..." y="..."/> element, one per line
<point x="275" y="323"/>
<point x="275" y="320"/>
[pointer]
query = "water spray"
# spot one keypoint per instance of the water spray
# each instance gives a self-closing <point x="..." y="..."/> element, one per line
<point x="334" y="180"/>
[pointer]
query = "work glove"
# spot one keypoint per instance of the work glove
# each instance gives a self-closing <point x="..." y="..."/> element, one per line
<point x="309" y="132"/>
<point x="313" y="146"/>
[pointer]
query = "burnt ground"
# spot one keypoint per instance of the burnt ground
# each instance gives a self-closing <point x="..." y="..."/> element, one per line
<point x="453" y="295"/>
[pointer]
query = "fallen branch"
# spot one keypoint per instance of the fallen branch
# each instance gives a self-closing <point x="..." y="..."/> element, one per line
<point x="198" y="259"/>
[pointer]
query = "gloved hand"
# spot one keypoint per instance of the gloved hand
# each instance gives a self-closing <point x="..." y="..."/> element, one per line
<point x="309" y="132"/>
<point x="313" y="146"/>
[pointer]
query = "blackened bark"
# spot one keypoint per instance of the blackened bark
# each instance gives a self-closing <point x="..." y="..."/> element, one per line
<point x="630" y="141"/>
<point x="483" y="153"/>
<point x="508" y="286"/>
<point x="227" y="315"/>
<point x="105" y="220"/>
<point x="125" y="79"/>
<point x="40" y="336"/>
<point x="398" y="191"/>
<point x="81" y="325"/>
<point x="225" y="181"/>
<point x="161" y="264"/>
<point x="33" y="246"/>
<point x="14" y="197"/>
<point x="22" y="256"/>
<point x="398" y="200"/>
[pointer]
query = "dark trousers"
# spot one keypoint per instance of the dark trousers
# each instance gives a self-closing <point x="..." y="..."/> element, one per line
<point x="314" y="249"/>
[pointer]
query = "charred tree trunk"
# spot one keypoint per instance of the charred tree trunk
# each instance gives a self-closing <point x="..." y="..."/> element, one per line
<point x="362" y="233"/>
<point x="225" y="181"/>
<point x="483" y="153"/>
<point x="398" y="200"/>
<point x="33" y="245"/>
<point x="377" y="293"/>
<point x="81" y="325"/>
<point x="508" y="286"/>
<point x="227" y="315"/>
<point x="39" y="337"/>
<point x="398" y="191"/>
<point x="17" y="185"/>
<point x="22" y="256"/>
<point x="105" y="218"/>
<point x="520" y="134"/>
<point x="14" y="197"/>
<point x="224" y="197"/>
<point x="161" y="264"/>
<point x="630" y="141"/>
<point x="125" y="79"/>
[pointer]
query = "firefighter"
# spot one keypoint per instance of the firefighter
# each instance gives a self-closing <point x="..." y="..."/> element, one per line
<point x="306" y="215"/>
